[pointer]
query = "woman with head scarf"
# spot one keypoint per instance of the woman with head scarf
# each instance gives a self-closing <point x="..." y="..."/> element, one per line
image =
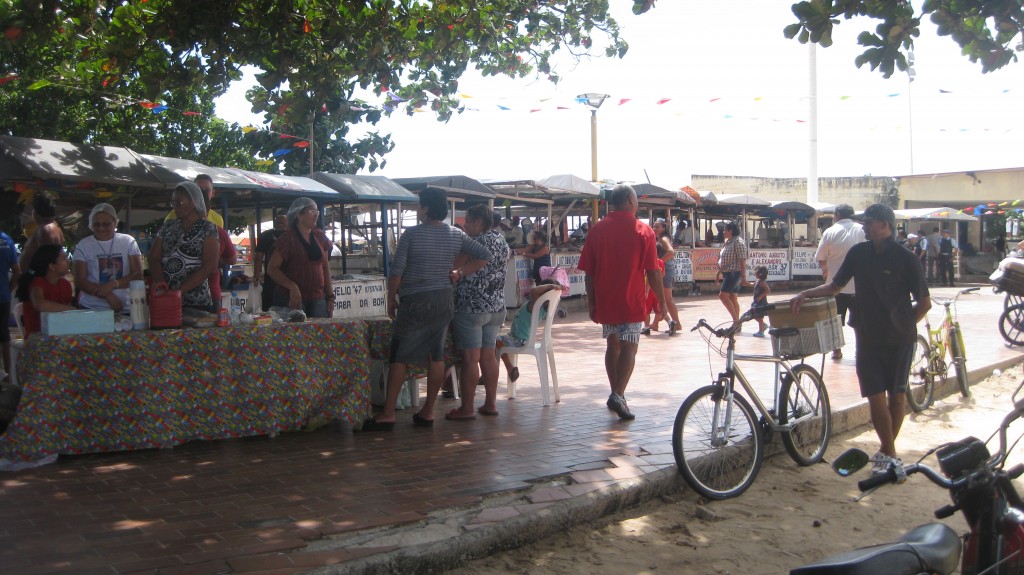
<point x="106" y="262"/>
<point x="185" y="250"/>
<point x="298" y="265"/>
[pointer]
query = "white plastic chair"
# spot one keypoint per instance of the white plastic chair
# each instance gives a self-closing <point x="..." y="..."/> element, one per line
<point x="16" y="344"/>
<point x="542" y="351"/>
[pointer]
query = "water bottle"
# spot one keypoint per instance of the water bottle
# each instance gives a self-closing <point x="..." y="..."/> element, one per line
<point x="236" y="309"/>
<point x="138" y="309"/>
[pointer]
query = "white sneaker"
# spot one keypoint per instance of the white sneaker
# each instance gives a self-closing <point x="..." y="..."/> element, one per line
<point x="882" y="463"/>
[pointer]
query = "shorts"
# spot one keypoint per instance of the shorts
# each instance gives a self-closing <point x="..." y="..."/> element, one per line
<point x="730" y="282"/>
<point x="668" y="279"/>
<point x="420" y="326"/>
<point x="884" y="368"/>
<point x="846" y="302"/>
<point x="628" y="332"/>
<point x="477" y="330"/>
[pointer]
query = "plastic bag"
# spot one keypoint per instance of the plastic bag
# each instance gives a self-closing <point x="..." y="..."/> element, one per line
<point x="254" y="303"/>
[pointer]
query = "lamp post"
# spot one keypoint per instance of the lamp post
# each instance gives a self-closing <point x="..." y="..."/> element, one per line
<point x="593" y="101"/>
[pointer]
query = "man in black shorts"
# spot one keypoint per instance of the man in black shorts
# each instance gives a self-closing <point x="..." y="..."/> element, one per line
<point x="889" y="282"/>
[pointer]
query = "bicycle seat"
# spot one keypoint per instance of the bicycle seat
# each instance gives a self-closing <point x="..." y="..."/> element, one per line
<point x="930" y="548"/>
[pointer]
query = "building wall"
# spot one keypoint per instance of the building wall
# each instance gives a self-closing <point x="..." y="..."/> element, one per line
<point x="961" y="189"/>
<point x="859" y="192"/>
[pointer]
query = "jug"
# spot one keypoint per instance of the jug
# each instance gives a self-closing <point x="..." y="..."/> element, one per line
<point x="164" y="307"/>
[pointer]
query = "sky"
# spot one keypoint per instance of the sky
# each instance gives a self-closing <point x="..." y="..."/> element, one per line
<point x="734" y="96"/>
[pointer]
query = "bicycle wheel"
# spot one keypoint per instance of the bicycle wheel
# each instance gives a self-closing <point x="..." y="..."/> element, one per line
<point x="803" y="399"/>
<point x="1011" y="325"/>
<point x="1011" y="300"/>
<point x="717" y="467"/>
<point x="956" y="349"/>
<point x="921" y="384"/>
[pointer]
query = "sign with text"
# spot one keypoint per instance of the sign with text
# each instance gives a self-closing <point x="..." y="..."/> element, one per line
<point x="360" y="298"/>
<point x="684" y="266"/>
<point x="705" y="264"/>
<point x="804" y="263"/>
<point x="777" y="262"/>
<point x="570" y="262"/>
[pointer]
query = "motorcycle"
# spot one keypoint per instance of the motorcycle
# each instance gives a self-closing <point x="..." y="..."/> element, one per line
<point x="980" y="487"/>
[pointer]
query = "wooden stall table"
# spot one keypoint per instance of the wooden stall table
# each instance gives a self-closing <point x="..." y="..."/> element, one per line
<point x="146" y="389"/>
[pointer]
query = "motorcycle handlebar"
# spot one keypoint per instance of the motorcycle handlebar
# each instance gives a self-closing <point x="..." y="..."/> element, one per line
<point x="890" y="476"/>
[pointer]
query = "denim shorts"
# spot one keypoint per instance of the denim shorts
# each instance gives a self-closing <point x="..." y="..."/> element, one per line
<point x="730" y="282"/>
<point x="884" y="368"/>
<point x="668" y="280"/>
<point x="477" y="330"/>
<point x="629" y="332"/>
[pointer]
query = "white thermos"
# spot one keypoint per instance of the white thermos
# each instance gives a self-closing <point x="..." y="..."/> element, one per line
<point x="139" y="309"/>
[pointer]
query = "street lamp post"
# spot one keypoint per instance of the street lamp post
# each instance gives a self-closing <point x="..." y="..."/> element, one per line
<point x="593" y="101"/>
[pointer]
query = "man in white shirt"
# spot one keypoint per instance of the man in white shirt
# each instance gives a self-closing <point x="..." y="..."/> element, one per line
<point x="835" y="242"/>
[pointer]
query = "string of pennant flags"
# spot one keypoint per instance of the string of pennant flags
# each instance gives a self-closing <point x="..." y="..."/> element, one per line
<point x="723" y="105"/>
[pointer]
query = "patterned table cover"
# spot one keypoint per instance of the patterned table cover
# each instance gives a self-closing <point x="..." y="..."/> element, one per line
<point x="145" y="389"/>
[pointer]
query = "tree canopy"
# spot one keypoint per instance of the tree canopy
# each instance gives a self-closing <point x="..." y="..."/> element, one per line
<point x="987" y="31"/>
<point x="97" y="58"/>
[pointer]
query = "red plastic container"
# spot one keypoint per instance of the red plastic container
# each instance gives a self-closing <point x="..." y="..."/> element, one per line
<point x="164" y="307"/>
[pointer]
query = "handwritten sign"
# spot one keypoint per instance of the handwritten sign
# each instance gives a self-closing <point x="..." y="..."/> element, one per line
<point x="684" y="266"/>
<point x="777" y="262"/>
<point x="804" y="263"/>
<point x="360" y="298"/>
<point x="705" y="264"/>
<point x="570" y="263"/>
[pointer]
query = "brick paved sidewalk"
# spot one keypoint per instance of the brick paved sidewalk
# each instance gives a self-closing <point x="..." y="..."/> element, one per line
<point x="283" y="504"/>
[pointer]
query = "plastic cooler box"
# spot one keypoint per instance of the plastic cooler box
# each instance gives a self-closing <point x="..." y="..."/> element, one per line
<point x="818" y="329"/>
<point x="77" y="322"/>
<point x="1010" y="276"/>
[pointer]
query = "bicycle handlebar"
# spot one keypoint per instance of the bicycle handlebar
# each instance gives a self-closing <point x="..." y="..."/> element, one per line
<point x="948" y="301"/>
<point x="747" y="316"/>
<point x="993" y="463"/>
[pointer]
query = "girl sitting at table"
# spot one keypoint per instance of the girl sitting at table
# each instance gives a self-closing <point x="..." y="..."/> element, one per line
<point x="43" y="288"/>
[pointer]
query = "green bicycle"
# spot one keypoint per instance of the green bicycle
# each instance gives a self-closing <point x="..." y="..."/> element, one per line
<point x="930" y="356"/>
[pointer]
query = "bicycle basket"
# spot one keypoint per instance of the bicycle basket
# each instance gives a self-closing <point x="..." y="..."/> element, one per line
<point x="825" y="336"/>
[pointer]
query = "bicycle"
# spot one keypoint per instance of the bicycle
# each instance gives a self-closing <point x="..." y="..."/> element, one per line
<point x="930" y="355"/>
<point x="718" y="443"/>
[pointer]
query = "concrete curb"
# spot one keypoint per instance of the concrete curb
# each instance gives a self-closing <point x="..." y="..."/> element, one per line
<point x="466" y="542"/>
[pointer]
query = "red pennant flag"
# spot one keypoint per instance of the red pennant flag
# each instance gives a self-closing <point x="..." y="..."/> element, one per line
<point x="302" y="144"/>
<point x="286" y="137"/>
<point x="148" y="105"/>
<point x="6" y="79"/>
<point x="663" y="100"/>
<point x="190" y="113"/>
<point x="624" y="100"/>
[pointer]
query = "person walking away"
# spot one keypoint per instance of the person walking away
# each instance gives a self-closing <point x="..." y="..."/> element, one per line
<point x="948" y="249"/>
<point x="732" y="269"/>
<point x="422" y="275"/>
<point x="618" y="255"/>
<point x="47" y="232"/>
<point x="11" y="271"/>
<point x="761" y="291"/>
<point x="479" y="315"/>
<point x="667" y="254"/>
<point x="931" y="247"/>
<point x="835" y="243"/>
<point x="261" y="256"/>
<point x="892" y="297"/>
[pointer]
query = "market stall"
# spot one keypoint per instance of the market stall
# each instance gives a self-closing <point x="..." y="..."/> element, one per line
<point x="944" y="217"/>
<point x="156" y="389"/>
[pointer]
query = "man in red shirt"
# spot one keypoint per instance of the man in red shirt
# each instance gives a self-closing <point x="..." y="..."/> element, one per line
<point x="619" y="254"/>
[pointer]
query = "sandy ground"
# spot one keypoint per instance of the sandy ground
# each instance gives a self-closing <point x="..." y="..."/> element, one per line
<point x="789" y="517"/>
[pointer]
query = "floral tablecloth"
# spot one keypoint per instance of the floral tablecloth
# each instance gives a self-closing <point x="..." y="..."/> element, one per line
<point x="143" y="389"/>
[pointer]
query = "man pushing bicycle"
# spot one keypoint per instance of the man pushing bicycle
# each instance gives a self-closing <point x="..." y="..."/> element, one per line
<point x="889" y="281"/>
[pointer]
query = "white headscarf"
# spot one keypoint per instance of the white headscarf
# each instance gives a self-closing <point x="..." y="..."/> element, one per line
<point x="103" y="208"/>
<point x="296" y="208"/>
<point x="196" y="194"/>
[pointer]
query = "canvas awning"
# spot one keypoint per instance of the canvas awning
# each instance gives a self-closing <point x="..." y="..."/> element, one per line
<point x="651" y="194"/>
<point x="455" y="186"/>
<point x="69" y="165"/>
<point x="940" y="214"/>
<point x="365" y="189"/>
<point x="172" y="171"/>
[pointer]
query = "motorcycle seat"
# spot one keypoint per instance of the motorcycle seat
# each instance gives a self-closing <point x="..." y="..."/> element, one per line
<point x="930" y="548"/>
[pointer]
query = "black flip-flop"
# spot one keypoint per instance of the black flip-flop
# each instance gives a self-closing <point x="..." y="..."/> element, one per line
<point x="421" y="422"/>
<point x="374" y="425"/>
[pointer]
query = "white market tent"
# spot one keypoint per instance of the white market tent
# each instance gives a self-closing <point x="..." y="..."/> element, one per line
<point x="941" y="213"/>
